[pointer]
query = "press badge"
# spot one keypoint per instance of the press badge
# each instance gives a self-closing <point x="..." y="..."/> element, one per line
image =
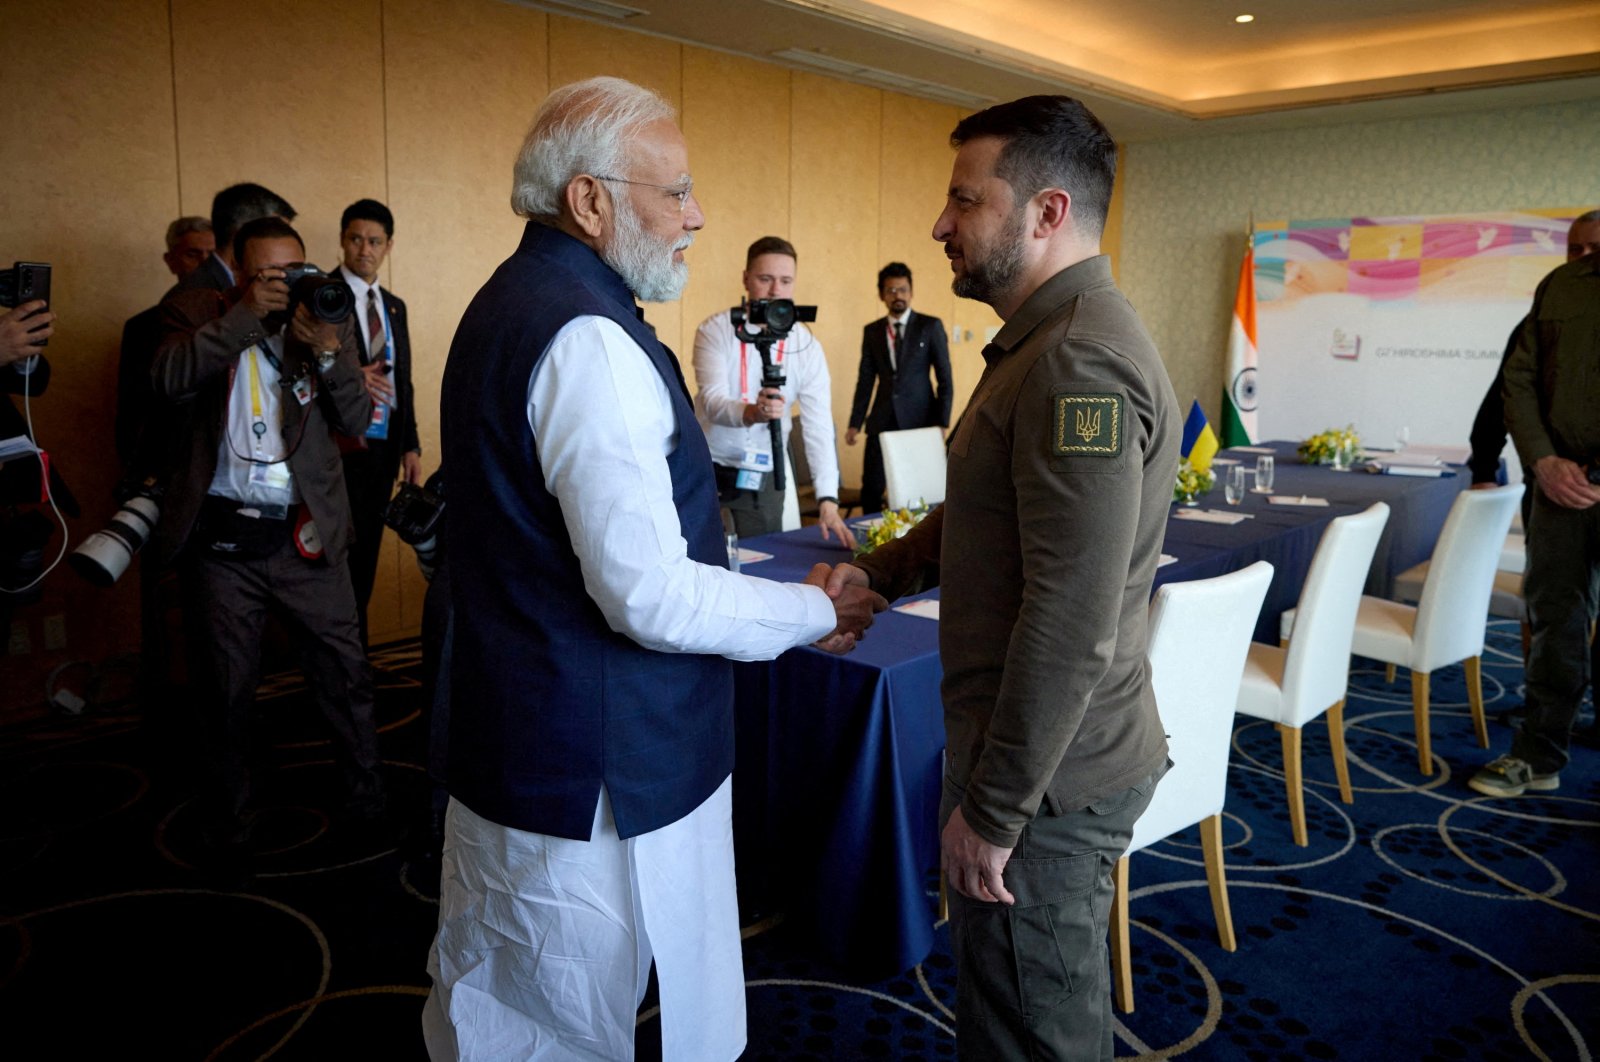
<point x="378" y="428"/>
<point x="302" y="390"/>
<point x="756" y="463"/>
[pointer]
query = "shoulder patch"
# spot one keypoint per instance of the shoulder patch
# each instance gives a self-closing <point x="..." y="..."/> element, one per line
<point x="1086" y="425"/>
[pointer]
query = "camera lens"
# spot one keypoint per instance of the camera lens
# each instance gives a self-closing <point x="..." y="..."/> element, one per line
<point x="780" y="315"/>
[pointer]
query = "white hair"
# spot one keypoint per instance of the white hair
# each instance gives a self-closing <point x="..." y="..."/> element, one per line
<point x="579" y="128"/>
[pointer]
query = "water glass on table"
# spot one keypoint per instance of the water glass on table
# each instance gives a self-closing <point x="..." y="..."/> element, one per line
<point x="1266" y="468"/>
<point x="1233" y="484"/>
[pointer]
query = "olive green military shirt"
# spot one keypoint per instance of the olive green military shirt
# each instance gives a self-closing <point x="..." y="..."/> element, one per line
<point x="1552" y="378"/>
<point x="1058" y="488"/>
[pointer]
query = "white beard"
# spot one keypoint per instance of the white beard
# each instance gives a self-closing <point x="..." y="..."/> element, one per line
<point x="643" y="261"/>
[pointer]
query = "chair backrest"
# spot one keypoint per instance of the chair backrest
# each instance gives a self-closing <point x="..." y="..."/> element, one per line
<point x="913" y="466"/>
<point x="1455" y="598"/>
<point x="791" y="496"/>
<point x="1199" y="635"/>
<point x="1317" y="670"/>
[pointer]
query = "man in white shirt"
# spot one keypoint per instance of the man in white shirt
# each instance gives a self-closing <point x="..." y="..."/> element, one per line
<point x="589" y="832"/>
<point x="734" y="409"/>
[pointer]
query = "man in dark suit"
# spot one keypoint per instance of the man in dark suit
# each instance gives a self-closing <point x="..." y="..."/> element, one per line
<point x="389" y="446"/>
<point x="897" y="351"/>
<point x="231" y="209"/>
<point x="256" y="513"/>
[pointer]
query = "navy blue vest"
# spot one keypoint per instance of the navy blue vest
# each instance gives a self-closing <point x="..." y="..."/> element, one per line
<point x="547" y="702"/>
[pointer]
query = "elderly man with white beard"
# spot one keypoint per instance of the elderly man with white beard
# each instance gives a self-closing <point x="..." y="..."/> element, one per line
<point x="589" y="829"/>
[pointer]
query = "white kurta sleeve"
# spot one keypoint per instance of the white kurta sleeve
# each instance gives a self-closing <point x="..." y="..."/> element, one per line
<point x="603" y="426"/>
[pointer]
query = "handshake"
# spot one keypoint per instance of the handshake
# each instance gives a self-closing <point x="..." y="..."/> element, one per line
<point x="854" y="604"/>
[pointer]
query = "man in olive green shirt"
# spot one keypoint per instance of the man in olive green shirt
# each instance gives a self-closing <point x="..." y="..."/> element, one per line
<point x="1059" y="483"/>
<point x="1552" y="393"/>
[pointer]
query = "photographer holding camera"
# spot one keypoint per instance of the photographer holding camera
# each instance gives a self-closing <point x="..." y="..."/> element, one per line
<point x="734" y="408"/>
<point x="256" y="509"/>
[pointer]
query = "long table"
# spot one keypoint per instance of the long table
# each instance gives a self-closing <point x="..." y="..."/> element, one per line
<point x="836" y="788"/>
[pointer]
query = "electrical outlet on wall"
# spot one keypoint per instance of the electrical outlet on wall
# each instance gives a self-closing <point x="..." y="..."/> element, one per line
<point x="21" y="642"/>
<point x="55" y="631"/>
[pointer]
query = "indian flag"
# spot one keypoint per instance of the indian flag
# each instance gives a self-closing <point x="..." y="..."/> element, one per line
<point x="1239" y="389"/>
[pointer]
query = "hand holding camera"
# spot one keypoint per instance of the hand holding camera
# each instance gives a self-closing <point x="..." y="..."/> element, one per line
<point x="267" y="294"/>
<point x="311" y="330"/>
<point x="767" y="406"/>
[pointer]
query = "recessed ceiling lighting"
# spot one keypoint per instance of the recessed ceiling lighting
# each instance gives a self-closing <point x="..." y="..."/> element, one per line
<point x="1244" y="18"/>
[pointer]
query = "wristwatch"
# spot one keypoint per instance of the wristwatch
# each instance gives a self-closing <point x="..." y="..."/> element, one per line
<point x="325" y="359"/>
<point x="827" y="499"/>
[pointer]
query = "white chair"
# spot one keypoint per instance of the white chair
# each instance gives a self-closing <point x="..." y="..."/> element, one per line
<point x="913" y="466"/>
<point x="791" y="495"/>
<point x="1505" y="599"/>
<point x="1447" y="624"/>
<point x="1292" y="686"/>
<point x="1199" y="634"/>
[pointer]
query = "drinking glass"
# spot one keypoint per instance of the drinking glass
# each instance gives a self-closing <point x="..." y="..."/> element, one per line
<point x="733" y="551"/>
<point x="1402" y="438"/>
<point x="1266" y="468"/>
<point x="1233" y="484"/>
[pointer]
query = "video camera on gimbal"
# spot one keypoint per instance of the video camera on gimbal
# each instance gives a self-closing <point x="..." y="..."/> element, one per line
<point x="774" y="320"/>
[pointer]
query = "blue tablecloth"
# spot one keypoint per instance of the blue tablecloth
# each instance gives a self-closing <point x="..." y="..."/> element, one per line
<point x="836" y="788"/>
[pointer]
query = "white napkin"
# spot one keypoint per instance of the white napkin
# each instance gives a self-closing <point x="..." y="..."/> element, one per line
<point x="1209" y="516"/>
<point x="927" y="608"/>
<point x="1166" y="559"/>
<point x="1251" y="450"/>
<point x="1290" y="499"/>
<point x="1412" y="470"/>
<point x="750" y="556"/>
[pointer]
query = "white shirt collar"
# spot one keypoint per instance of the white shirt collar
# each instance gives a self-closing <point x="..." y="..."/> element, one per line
<point x="358" y="285"/>
<point x="902" y="319"/>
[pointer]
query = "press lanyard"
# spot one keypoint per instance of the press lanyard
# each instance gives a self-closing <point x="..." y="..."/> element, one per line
<point x="258" y="423"/>
<point x="744" y="370"/>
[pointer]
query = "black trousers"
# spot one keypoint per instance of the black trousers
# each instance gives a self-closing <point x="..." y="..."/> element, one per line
<point x="1562" y="589"/>
<point x="1032" y="979"/>
<point x="226" y="603"/>
<point x="369" y="481"/>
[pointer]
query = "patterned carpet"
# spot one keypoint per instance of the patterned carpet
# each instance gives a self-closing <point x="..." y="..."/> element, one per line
<point x="1423" y="922"/>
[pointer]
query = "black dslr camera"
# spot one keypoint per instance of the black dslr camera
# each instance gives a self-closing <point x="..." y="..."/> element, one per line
<point x="415" y="514"/>
<point x="328" y="298"/>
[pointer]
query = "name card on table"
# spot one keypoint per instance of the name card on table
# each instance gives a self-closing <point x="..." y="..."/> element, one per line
<point x="752" y="556"/>
<point x="927" y="609"/>
<point x="1290" y="499"/>
<point x="1210" y="516"/>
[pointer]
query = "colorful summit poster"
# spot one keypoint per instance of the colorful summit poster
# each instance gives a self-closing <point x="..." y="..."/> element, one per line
<point x="1393" y="322"/>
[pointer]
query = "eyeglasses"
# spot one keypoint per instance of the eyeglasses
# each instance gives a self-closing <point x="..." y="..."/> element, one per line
<point x="679" y="192"/>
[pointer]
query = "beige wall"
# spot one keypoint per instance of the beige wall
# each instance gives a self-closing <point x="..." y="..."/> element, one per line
<point x="1189" y="203"/>
<point x="137" y="115"/>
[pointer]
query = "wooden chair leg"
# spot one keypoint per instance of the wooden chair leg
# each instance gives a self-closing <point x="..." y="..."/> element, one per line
<point x="1474" y="666"/>
<point x="1293" y="782"/>
<point x="1389" y="673"/>
<point x="944" y="896"/>
<point x="1216" y="878"/>
<point x="1419" y="712"/>
<point x="1121" y="963"/>
<point x="1341" y="762"/>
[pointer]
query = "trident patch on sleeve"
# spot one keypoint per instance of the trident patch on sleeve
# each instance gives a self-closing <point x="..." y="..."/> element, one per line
<point x="1086" y="425"/>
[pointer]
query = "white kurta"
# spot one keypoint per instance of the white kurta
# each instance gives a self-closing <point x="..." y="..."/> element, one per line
<point x="545" y="944"/>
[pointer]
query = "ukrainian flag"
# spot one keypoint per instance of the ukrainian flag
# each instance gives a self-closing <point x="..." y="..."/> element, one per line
<point x="1199" y="441"/>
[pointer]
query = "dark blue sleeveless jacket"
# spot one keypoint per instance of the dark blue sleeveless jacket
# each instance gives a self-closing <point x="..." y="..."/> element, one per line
<point x="547" y="702"/>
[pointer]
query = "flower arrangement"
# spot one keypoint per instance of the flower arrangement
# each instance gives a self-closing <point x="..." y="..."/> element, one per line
<point x="894" y="524"/>
<point x="1336" y="446"/>
<point x="1192" y="482"/>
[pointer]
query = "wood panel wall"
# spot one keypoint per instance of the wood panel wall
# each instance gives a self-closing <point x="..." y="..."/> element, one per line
<point x="139" y="110"/>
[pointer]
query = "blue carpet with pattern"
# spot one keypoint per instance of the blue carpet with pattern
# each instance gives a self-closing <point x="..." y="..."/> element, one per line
<point x="1422" y="922"/>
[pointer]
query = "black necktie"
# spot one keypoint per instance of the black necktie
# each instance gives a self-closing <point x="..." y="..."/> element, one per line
<point x="899" y="336"/>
